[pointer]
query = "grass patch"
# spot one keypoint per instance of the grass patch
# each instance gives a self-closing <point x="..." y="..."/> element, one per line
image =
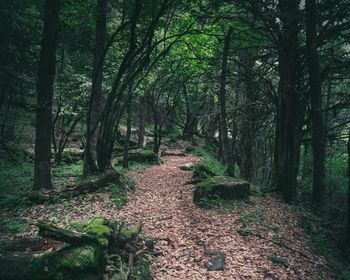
<point x="14" y="225"/>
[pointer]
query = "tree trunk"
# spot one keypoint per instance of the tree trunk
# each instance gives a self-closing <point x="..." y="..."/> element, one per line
<point x="248" y="121"/>
<point x="226" y="149"/>
<point x="289" y="99"/>
<point x="128" y="131"/>
<point x="46" y="76"/>
<point x="318" y="130"/>
<point x="142" y="122"/>
<point x="348" y="226"/>
<point x="90" y="159"/>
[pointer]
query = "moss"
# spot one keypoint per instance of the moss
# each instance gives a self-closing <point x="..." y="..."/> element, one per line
<point x="68" y="263"/>
<point x="141" y="270"/>
<point x="202" y="171"/>
<point x="72" y="155"/>
<point x="129" y="233"/>
<point x="244" y="231"/>
<point x="221" y="187"/>
<point x="98" y="228"/>
<point x="278" y="260"/>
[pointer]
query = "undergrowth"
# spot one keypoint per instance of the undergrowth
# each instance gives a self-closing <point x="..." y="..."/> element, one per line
<point x="323" y="242"/>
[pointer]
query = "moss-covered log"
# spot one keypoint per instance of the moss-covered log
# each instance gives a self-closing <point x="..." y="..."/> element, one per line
<point x="71" y="237"/>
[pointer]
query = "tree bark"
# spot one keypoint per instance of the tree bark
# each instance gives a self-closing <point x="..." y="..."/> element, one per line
<point x="318" y="129"/>
<point x="348" y="226"/>
<point x="46" y="76"/>
<point x="90" y="158"/>
<point x="142" y="122"/>
<point x="128" y="130"/>
<point x="226" y="149"/>
<point x="248" y="121"/>
<point x="289" y="100"/>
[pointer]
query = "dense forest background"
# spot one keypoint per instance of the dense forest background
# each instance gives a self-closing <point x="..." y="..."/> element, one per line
<point x="262" y="86"/>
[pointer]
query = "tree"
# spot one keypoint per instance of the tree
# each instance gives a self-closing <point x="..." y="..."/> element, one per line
<point x="95" y="104"/>
<point x="288" y="136"/>
<point x="318" y="131"/>
<point x="226" y="148"/>
<point x="348" y="225"/>
<point x="46" y="76"/>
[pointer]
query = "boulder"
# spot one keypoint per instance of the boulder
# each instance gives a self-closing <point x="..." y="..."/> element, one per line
<point x="187" y="167"/>
<point x="224" y="187"/>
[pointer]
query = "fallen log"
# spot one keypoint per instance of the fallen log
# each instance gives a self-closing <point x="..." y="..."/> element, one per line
<point x="67" y="236"/>
<point x="174" y="154"/>
<point x="89" y="185"/>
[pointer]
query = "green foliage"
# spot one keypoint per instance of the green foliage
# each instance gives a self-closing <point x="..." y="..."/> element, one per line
<point x="278" y="260"/>
<point x="14" y="225"/>
<point x="244" y="231"/>
<point x="97" y="227"/>
<point x="208" y="158"/>
<point x="323" y="242"/>
<point x="143" y="157"/>
<point x="141" y="270"/>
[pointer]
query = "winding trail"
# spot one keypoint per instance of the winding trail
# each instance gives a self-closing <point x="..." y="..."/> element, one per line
<point x="163" y="202"/>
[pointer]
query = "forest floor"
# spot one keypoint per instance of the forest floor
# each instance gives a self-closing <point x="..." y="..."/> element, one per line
<point x="261" y="238"/>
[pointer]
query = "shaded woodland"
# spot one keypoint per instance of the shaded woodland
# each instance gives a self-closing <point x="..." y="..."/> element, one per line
<point x="253" y="93"/>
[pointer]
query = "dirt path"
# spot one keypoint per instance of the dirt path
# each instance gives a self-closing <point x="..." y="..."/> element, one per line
<point x="164" y="203"/>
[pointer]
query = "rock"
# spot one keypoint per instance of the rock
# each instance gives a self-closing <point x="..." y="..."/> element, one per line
<point x="223" y="187"/>
<point x="195" y="221"/>
<point x="187" y="167"/>
<point x="149" y="243"/>
<point x="202" y="172"/>
<point x="216" y="260"/>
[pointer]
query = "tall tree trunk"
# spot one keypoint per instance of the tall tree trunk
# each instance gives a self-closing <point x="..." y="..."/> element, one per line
<point x="128" y="131"/>
<point x="289" y="99"/>
<point x="90" y="159"/>
<point x="46" y="76"/>
<point x="142" y="122"/>
<point x="226" y="149"/>
<point x="318" y="130"/>
<point x="348" y="226"/>
<point x="248" y="120"/>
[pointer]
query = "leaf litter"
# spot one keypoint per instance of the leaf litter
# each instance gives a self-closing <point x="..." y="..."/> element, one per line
<point x="184" y="233"/>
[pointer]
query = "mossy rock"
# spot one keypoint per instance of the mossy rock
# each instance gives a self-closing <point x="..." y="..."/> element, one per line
<point x="202" y="172"/>
<point x="72" y="155"/>
<point x="128" y="233"/>
<point x="223" y="187"/>
<point x="98" y="228"/>
<point x="144" y="156"/>
<point x="70" y="263"/>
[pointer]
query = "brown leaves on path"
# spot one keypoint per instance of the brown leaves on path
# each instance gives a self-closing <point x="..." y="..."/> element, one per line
<point x="185" y="233"/>
<point x="164" y="203"/>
